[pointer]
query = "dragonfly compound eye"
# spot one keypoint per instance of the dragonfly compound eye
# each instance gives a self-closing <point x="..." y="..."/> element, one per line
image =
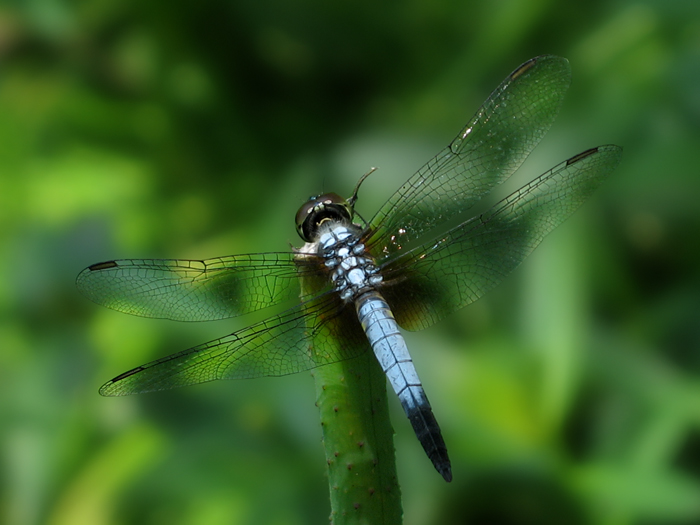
<point x="329" y="206"/>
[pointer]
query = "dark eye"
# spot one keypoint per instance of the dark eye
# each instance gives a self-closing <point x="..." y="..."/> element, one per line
<point x="303" y="214"/>
<point x="329" y="206"/>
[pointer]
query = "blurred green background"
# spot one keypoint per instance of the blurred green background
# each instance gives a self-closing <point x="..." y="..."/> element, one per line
<point x="570" y="394"/>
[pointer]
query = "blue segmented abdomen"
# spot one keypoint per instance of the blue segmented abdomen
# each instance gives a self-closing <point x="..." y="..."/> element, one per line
<point x="392" y="353"/>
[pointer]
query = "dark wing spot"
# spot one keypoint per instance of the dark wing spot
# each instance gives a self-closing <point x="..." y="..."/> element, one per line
<point x="103" y="266"/>
<point x="581" y="155"/>
<point x="522" y="69"/>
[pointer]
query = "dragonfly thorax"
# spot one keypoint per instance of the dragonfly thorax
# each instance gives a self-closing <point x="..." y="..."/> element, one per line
<point x="353" y="272"/>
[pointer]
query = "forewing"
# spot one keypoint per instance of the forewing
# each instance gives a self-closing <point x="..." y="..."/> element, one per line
<point x="485" y="153"/>
<point x="441" y="276"/>
<point x="321" y="331"/>
<point x="193" y="290"/>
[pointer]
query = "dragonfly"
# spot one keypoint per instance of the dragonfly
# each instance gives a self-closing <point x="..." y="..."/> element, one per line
<point x="420" y="258"/>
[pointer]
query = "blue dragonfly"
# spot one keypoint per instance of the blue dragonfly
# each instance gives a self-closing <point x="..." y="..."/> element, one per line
<point x="416" y="261"/>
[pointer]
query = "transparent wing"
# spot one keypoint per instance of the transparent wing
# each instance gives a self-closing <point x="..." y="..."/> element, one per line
<point x="185" y="290"/>
<point x="486" y="152"/>
<point x="427" y="283"/>
<point x="318" y="332"/>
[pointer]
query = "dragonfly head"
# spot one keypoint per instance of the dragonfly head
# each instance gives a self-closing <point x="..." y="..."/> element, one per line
<point x="317" y="210"/>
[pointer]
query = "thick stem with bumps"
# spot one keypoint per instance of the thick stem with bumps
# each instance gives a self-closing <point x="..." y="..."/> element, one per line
<point x="358" y="440"/>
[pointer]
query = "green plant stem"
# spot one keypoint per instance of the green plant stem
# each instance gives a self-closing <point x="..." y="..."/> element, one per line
<point x="358" y="441"/>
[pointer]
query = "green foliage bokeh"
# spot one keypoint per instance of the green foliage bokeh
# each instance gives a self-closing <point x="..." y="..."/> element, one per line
<point x="571" y="394"/>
